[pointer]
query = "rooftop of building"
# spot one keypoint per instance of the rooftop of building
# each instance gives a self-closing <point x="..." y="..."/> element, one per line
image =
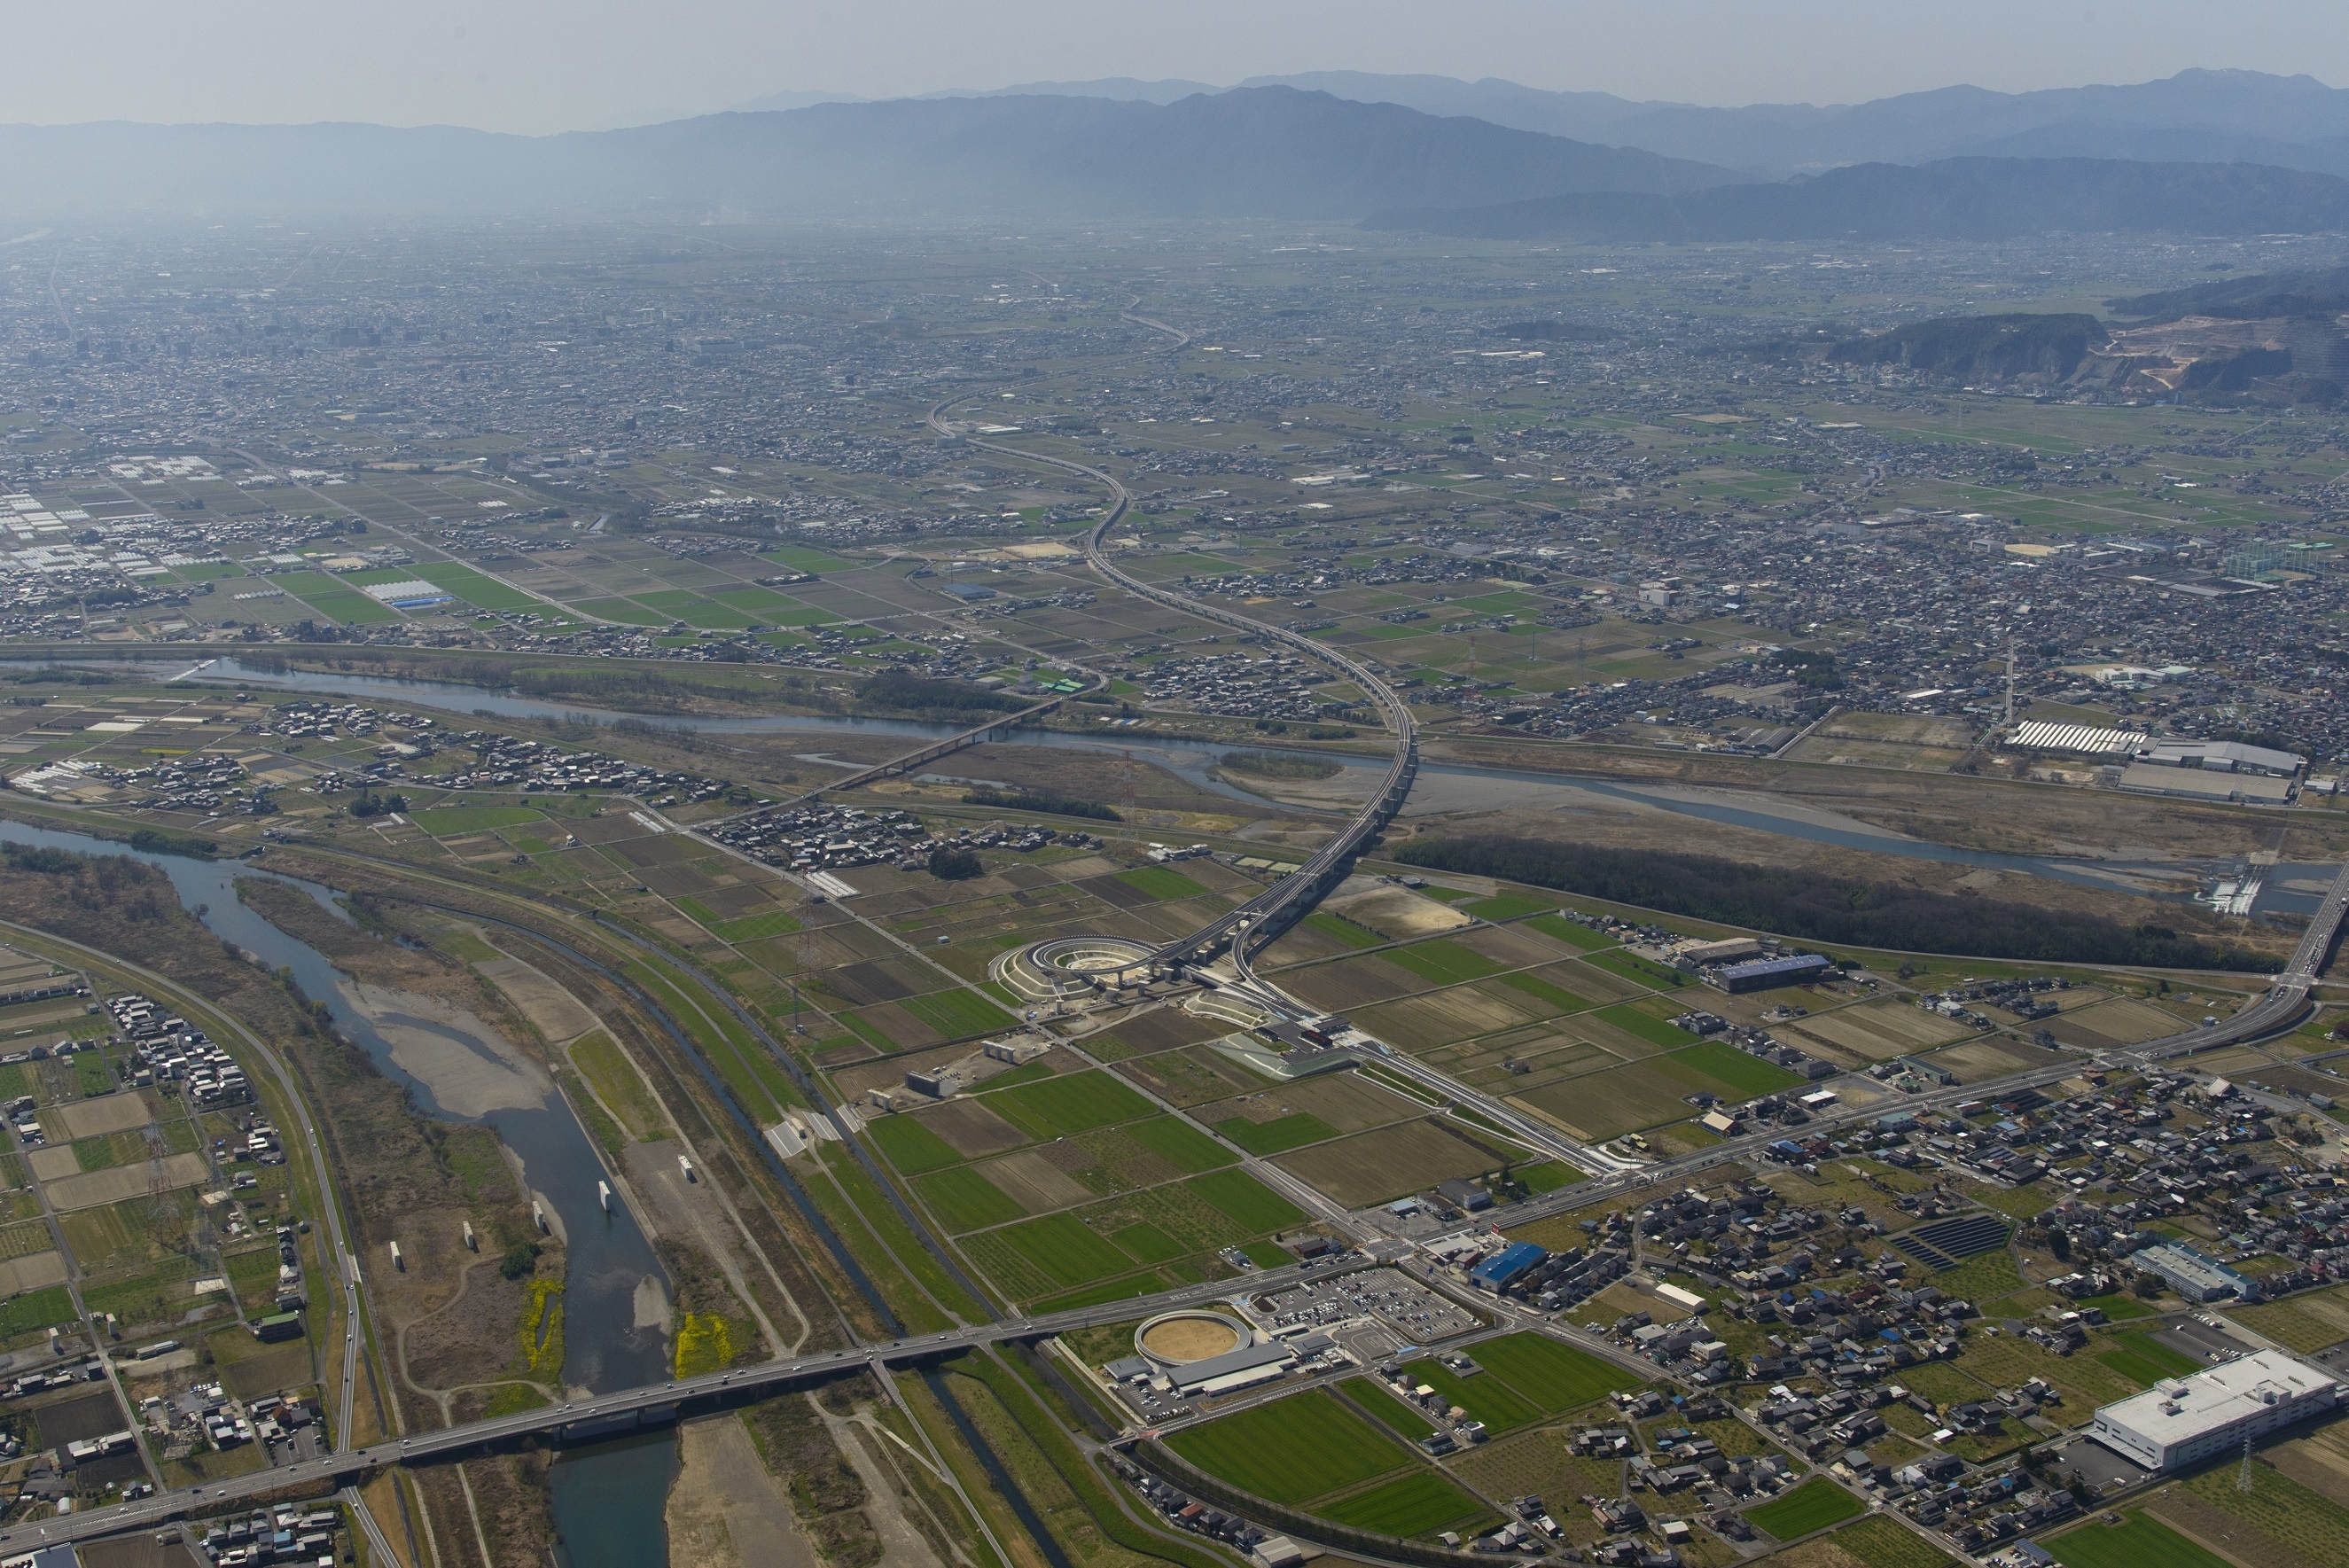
<point x="2178" y="1408"/>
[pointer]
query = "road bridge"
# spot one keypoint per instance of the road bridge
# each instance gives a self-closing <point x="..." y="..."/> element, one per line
<point x="2277" y="1008"/>
<point x="612" y="1414"/>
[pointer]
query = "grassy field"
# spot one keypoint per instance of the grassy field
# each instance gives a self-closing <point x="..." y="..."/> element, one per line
<point x="2307" y="1524"/>
<point x="1148" y="1243"/>
<point x="910" y="1146"/>
<point x="1280" y="1134"/>
<point x="1416" y="1504"/>
<point x="966" y="1200"/>
<point x="1066" y="1250"/>
<point x="1572" y="932"/>
<point x="1631" y="966"/>
<point x="474" y="588"/>
<point x="1289" y="1450"/>
<point x="956" y="1013"/>
<point x="333" y="600"/>
<point x="1369" y="1393"/>
<point x="1180" y="1143"/>
<point x="617" y="1084"/>
<point x="1344" y="930"/>
<point x="1446" y="962"/>
<point x="756" y="928"/>
<point x="1651" y="1029"/>
<point x="1880" y="1543"/>
<point x="1485" y="1398"/>
<point x="1246" y="1200"/>
<point x="1746" y="1075"/>
<point x="1814" y="1505"/>
<point x="442" y="820"/>
<point x="1162" y="882"/>
<point x="2146" y="1360"/>
<point x="1076" y="1102"/>
<point x="1554" y="1376"/>
<point x="2137" y="1541"/>
<point x="1558" y="997"/>
<point x="36" y="1309"/>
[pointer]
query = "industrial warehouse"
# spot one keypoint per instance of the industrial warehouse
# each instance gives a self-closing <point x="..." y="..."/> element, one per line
<point x="2181" y="1420"/>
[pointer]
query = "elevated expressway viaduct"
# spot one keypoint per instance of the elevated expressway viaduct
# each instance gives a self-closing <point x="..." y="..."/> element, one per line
<point x="2280" y="1008"/>
<point x="1240" y="932"/>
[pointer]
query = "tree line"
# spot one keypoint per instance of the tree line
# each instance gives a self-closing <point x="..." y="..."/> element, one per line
<point x="1816" y="906"/>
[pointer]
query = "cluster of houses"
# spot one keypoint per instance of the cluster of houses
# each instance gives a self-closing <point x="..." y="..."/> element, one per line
<point x="1179" y="1508"/>
<point x="312" y="720"/>
<point x="2024" y="996"/>
<point x="818" y="838"/>
<point x="170" y="1047"/>
<point x="822" y="838"/>
<point x="534" y="767"/>
<point x="287" y="1533"/>
<point x="202" y="781"/>
<point x="64" y="1374"/>
<point x="1236" y="686"/>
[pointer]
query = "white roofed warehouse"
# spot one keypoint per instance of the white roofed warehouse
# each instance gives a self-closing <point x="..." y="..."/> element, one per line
<point x="2181" y="1420"/>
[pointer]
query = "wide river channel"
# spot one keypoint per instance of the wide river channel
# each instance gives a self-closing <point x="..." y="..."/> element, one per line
<point x="609" y="1498"/>
<point x="2285" y="889"/>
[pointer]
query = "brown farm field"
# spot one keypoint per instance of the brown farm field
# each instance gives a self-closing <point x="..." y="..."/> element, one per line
<point x="1374" y="1167"/>
<point x="1418" y="1023"/>
<point x="1604" y="1105"/>
<point x="1980" y="1059"/>
<point x="1191" y="1075"/>
<point x="2123" y="1021"/>
<point x="1876" y="1030"/>
<point x="1539" y="1464"/>
<point x="971" y="1129"/>
<point x="1350" y="985"/>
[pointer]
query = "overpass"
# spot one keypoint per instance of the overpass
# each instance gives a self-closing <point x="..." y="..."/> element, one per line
<point x="1269" y="913"/>
<point x="2275" y="1010"/>
<point x="2280" y="1007"/>
<point x="613" y="1414"/>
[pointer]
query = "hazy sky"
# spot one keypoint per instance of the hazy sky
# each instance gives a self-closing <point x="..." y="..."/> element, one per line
<point x="555" y="65"/>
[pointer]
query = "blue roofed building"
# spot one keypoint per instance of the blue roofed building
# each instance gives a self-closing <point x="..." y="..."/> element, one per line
<point x="1507" y="1267"/>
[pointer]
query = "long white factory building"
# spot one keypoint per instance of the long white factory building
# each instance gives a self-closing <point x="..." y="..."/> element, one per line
<point x="2181" y="1420"/>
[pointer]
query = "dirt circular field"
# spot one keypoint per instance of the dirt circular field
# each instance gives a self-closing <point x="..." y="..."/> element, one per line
<point x="1191" y="1336"/>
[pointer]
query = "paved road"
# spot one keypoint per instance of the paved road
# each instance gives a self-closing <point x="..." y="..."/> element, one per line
<point x="616" y="1413"/>
<point x="1264" y="915"/>
<point x="334" y="1253"/>
<point x="2278" y="1009"/>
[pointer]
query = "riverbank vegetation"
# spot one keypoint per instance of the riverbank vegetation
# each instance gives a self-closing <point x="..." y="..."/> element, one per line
<point x="1812" y="906"/>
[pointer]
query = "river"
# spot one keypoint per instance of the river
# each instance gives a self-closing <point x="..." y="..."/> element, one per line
<point x="609" y="1498"/>
<point x="1194" y="762"/>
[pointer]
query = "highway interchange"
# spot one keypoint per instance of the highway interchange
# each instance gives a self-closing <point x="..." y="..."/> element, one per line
<point x="2278" y="1009"/>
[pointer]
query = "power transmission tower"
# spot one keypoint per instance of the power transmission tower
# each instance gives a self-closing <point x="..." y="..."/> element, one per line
<point x="2244" y="1473"/>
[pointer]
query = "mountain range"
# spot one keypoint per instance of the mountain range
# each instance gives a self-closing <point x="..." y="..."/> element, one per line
<point x="1113" y="151"/>
<point x="1258" y="152"/>
<point x="2196" y="115"/>
<point x="2323" y="292"/>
